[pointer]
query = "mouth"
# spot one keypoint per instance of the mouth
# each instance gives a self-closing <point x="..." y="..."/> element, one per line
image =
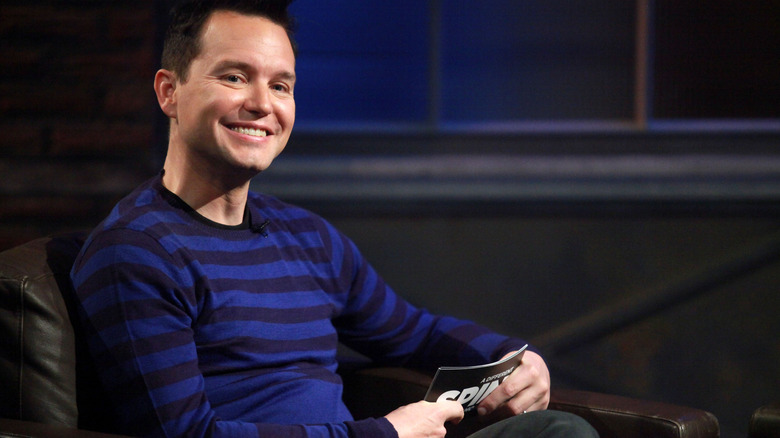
<point x="252" y="132"/>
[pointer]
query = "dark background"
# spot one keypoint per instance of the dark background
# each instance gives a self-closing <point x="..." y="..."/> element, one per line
<point x="599" y="177"/>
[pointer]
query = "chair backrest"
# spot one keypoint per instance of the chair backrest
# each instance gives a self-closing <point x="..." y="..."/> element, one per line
<point x="41" y="376"/>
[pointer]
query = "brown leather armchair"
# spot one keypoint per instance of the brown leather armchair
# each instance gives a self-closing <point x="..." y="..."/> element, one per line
<point x="49" y="389"/>
<point x="765" y="422"/>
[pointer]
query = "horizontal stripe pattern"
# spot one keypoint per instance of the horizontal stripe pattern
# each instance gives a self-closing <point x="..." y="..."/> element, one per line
<point x="202" y="330"/>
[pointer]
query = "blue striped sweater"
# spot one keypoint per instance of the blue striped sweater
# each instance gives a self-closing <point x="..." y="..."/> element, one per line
<point x="200" y="329"/>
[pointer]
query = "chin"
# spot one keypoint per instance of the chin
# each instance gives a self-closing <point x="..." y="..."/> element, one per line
<point x="252" y="164"/>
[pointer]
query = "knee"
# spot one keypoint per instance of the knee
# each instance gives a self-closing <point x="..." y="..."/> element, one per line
<point x="564" y="424"/>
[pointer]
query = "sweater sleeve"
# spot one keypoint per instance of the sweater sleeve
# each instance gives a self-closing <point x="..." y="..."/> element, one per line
<point x="380" y="324"/>
<point x="138" y="314"/>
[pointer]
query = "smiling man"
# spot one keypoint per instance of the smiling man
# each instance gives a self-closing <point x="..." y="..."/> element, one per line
<point x="231" y="112"/>
<point x="213" y="311"/>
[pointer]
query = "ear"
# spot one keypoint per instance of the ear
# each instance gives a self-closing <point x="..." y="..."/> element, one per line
<point x="165" y="83"/>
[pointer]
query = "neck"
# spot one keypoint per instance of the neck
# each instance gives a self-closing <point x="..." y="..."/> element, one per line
<point x="212" y="197"/>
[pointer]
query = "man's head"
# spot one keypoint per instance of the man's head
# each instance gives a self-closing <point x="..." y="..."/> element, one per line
<point x="234" y="112"/>
<point x="183" y="39"/>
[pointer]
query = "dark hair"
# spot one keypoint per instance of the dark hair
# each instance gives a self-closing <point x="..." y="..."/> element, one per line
<point x="182" y="40"/>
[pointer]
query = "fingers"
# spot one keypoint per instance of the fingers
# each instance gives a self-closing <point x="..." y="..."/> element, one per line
<point x="451" y="410"/>
<point x="526" y="389"/>
<point x="424" y="418"/>
<point x="512" y="396"/>
<point x="531" y="399"/>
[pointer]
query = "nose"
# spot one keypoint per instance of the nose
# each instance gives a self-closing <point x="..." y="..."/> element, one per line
<point x="259" y="100"/>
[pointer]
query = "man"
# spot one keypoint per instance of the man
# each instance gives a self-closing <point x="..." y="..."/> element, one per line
<point x="214" y="311"/>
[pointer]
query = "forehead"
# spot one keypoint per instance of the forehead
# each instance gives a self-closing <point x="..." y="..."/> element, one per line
<point x="227" y="33"/>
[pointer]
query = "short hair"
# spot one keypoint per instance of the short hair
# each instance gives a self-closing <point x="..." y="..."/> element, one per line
<point x="183" y="38"/>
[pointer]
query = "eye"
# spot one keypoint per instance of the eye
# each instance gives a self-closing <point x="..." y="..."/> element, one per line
<point x="234" y="79"/>
<point x="282" y="88"/>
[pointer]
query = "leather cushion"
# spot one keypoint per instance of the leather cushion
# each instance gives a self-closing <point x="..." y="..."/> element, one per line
<point x="37" y="341"/>
<point x="765" y="422"/>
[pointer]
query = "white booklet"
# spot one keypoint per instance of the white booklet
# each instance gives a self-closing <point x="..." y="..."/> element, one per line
<point x="470" y="385"/>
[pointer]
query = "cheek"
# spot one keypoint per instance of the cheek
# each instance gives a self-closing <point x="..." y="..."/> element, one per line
<point x="289" y="113"/>
<point x="206" y="104"/>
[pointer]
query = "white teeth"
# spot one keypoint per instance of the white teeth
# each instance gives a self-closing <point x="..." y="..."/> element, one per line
<point x="250" y="131"/>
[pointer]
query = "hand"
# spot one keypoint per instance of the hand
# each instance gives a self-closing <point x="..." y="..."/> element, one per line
<point x="526" y="389"/>
<point x="425" y="419"/>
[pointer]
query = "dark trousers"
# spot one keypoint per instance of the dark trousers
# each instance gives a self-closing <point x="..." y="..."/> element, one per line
<point x="539" y="424"/>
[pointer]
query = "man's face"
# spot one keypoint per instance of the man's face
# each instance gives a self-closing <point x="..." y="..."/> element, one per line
<point x="235" y="112"/>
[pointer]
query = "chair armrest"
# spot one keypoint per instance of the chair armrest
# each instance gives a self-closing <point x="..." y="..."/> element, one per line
<point x="765" y="422"/>
<point x="32" y="429"/>
<point x="616" y="416"/>
<point x="374" y="392"/>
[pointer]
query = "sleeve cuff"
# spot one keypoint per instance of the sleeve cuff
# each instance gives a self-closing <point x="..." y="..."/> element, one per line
<point x="371" y="428"/>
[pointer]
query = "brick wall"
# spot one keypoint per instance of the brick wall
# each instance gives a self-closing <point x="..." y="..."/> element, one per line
<point x="77" y="111"/>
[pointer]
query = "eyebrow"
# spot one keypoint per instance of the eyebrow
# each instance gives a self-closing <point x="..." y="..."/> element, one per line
<point x="240" y="65"/>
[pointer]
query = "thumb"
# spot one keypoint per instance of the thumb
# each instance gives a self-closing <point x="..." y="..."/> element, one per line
<point x="451" y="410"/>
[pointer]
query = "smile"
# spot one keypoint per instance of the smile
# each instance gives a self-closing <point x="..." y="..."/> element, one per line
<point x="250" y="131"/>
